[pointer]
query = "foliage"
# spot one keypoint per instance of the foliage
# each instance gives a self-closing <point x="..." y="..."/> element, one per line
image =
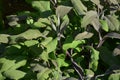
<point x="61" y="40"/>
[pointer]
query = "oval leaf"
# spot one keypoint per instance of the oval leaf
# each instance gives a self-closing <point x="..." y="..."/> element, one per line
<point x="88" y="18"/>
<point x="61" y="11"/>
<point x="14" y="74"/>
<point x="84" y="35"/>
<point x="79" y="7"/>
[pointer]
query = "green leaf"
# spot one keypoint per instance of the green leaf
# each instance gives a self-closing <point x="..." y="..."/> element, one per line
<point x="104" y="25"/>
<point x="113" y="22"/>
<point x="46" y="41"/>
<point x="14" y="74"/>
<point x="94" y="58"/>
<point x="44" y="74"/>
<point x="88" y="18"/>
<point x="41" y="5"/>
<point x="84" y="35"/>
<point x="52" y="45"/>
<point x="4" y="38"/>
<point x="64" y="24"/>
<point x="114" y="76"/>
<point x="29" y="34"/>
<point x="6" y="64"/>
<point x="19" y="62"/>
<point x="96" y="24"/>
<point x="89" y="73"/>
<point x="61" y="63"/>
<point x="42" y="22"/>
<point x="73" y="44"/>
<point x="2" y="77"/>
<point x="79" y="7"/>
<point x="61" y="10"/>
<point x="31" y="43"/>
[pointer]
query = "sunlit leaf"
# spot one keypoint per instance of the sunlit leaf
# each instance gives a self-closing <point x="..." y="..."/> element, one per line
<point x="61" y="62"/>
<point x="19" y="62"/>
<point x="94" y="58"/>
<point x="79" y="7"/>
<point x="4" y="38"/>
<point x="104" y="25"/>
<point x="88" y="18"/>
<point x="14" y="74"/>
<point x="42" y="22"/>
<point x="112" y="22"/>
<point x="89" y="73"/>
<point x="44" y="74"/>
<point x="61" y="10"/>
<point x="114" y="1"/>
<point x="84" y="35"/>
<point x="31" y="43"/>
<point x="39" y="5"/>
<point x="29" y="34"/>
<point x="73" y="44"/>
<point x="114" y="76"/>
<point x="6" y="64"/>
<point x="2" y="77"/>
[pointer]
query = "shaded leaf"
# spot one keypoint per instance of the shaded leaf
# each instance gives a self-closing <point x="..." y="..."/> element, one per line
<point x="61" y="10"/>
<point x="71" y="78"/>
<point x="14" y="74"/>
<point x="87" y="19"/>
<point x="116" y="51"/>
<point x="112" y="35"/>
<point x="84" y="35"/>
<point x="109" y="35"/>
<point x="79" y="7"/>
<point x="107" y="56"/>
